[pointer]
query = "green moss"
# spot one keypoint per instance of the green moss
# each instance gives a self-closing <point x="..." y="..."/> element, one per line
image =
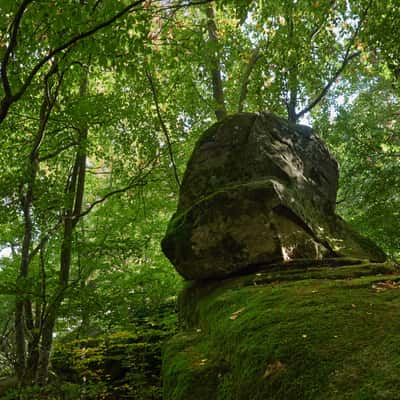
<point x="333" y="333"/>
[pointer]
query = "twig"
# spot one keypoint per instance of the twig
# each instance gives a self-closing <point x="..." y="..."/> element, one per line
<point x="134" y="183"/>
<point x="346" y="60"/>
<point x="163" y="126"/>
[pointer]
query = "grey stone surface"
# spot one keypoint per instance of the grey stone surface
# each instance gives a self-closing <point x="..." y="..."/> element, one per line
<point x="258" y="190"/>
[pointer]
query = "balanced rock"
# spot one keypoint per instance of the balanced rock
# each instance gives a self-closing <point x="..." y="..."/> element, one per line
<point x="258" y="190"/>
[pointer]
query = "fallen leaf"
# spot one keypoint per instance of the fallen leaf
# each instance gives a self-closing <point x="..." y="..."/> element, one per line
<point x="236" y="313"/>
<point x="272" y="368"/>
<point x="382" y="286"/>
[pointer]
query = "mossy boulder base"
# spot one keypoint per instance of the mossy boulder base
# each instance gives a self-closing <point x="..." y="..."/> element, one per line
<point x="258" y="190"/>
<point x="314" y="332"/>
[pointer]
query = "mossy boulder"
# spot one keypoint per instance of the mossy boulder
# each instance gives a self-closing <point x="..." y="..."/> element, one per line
<point x="304" y="330"/>
<point x="258" y="190"/>
<point x="286" y="302"/>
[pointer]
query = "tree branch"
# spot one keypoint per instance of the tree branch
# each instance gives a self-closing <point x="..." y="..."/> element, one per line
<point x="11" y="46"/>
<point x="326" y="88"/>
<point x="45" y="239"/>
<point x="138" y="180"/>
<point x="110" y="194"/>
<point x="57" y="152"/>
<point x="218" y="89"/>
<point x="73" y="41"/>
<point x="163" y="126"/>
<point x="325" y="19"/>
<point x="347" y="58"/>
<point x="184" y="5"/>
<point x="255" y="56"/>
<point x="8" y="100"/>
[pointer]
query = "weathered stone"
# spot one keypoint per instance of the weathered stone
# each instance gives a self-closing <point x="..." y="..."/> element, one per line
<point x="258" y="190"/>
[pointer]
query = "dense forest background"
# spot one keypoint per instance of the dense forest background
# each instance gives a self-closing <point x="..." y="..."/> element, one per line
<point x="101" y="103"/>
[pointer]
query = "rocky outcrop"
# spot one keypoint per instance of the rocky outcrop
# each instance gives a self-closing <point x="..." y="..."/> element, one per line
<point x="256" y="191"/>
<point x="286" y="314"/>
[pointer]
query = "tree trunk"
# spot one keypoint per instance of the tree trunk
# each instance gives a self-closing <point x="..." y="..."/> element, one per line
<point x="74" y="195"/>
<point x="23" y="306"/>
<point x="218" y="89"/>
<point x="291" y="107"/>
<point x="255" y="55"/>
<point x="20" y="341"/>
<point x="293" y="71"/>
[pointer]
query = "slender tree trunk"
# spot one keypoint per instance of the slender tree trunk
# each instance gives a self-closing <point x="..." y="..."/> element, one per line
<point x="216" y="75"/>
<point x="293" y="82"/>
<point x="163" y="126"/>
<point x="255" y="55"/>
<point x="33" y="344"/>
<point x="74" y="195"/>
<point x="20" y="340"/>
<point x="50" y="320"/>
<point x="291" y="107"/>
<point x="24" y="322"/>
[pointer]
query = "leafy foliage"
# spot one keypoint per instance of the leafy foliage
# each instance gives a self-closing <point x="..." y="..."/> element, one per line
<point x="366" y="142"/>
<point x="123" y="364"/>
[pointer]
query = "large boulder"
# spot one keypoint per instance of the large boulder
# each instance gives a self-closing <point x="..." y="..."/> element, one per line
<point x="258" y="190"/>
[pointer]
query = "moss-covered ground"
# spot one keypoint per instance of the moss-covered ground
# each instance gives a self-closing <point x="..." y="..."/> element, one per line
<point x="292" y="333"/>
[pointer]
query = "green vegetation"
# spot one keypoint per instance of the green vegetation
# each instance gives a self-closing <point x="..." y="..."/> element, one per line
<point x="323" y="333"/>
<point x="119" y="365"/>
<point x="101" y="102"/>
